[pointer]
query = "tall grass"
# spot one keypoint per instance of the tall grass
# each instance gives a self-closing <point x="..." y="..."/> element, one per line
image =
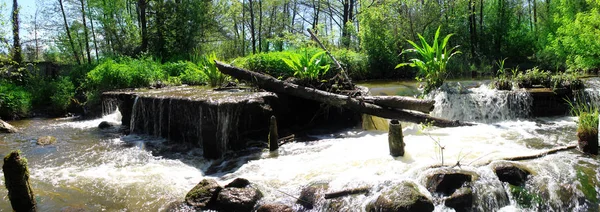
<point x="587" y="116"/>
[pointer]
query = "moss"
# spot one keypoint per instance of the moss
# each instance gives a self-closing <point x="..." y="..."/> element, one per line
<point x="524" y="197"/>
<point x="16" y="177"/>
<point x="587" y="181"/>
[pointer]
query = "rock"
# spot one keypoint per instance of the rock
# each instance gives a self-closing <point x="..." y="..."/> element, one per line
<point x="105" y="125"/>
<point x="46" y="140"/>
<point x="447" y="180"/>
<point x="460" y="200"/>
<point x="311" y="193"/>
<point x="7" y="128"/>
<point x="511" y="173"/>
<point x="275" y="207"/>
<point x="238" y="183"/>
<point x="238" y="199"/>
<point x="401" y="198"/>
<point x="587" y="141"/>
<point x="203" y="195"/>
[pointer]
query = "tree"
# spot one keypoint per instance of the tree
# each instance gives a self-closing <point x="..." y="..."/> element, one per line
<point x="17" y="56"/>
<point x="75" y="54"/>
<point x="85" y="29"/>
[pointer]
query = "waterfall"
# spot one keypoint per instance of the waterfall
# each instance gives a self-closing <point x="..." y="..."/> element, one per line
<point x="481" y="104"/>
<point x="134" y="111"/>
<point x="109" y="105"/>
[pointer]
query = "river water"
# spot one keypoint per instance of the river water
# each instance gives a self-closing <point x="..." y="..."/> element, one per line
<point x="101" y="170"/>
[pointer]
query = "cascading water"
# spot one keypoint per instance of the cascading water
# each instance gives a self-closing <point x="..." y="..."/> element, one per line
<point x="91" y="169"/>
<point x="481" y="104"/>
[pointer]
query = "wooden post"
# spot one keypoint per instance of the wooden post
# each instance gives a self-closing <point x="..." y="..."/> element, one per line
<point x="16" y="178"/>
<point x="395" y="138"/>
<point x="273" y="135"/>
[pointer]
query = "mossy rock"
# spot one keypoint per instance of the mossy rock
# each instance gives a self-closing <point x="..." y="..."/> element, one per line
<point x="404" y="197"/>
<point x="46" y="140"/>
<point x="204" y="194"/>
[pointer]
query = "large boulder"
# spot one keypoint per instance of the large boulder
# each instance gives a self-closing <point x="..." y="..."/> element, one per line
<point x="274" y="207"/>
<point x="311" y="194"/>
<point x="460" y="200"/>
<point x="238" y="183"/>
<point x="447" y="180"/>
<point x="401" y="198"/>
<point x="511" y="173"/>
<point x="238" y="199"/>
<point x="46" y="140"/>
<point x="204" y="194"/>
<point x="7" y="128"/>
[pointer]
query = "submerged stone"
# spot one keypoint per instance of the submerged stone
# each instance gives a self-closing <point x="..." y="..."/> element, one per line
<point x="46" y="140"/>
<point x="204" y="194"/>
<point x="7" y="128"/>
<point x="238" y="183"/>
<point x="105" y="125"/>
<point x="511" y="173"/>
<point x="447" y="180"/>
<point x="404" y="197"/>
<point x="311" y="194"/>
<point x="274" y="207"/>
<point x="460" y="200"/>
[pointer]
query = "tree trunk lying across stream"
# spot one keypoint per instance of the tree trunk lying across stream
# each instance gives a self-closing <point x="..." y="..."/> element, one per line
<point x="362" y="106"/>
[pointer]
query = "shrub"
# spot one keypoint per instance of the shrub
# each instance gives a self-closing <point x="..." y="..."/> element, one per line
<point x="355" y="64"/>
<point x="533" y="77"/>
<point x="15" y="101"/>
<point x="186" y="72"/>
<point x="269" y="63"/>
<point x="124" y="73"/>
<point x="62" y="91"/>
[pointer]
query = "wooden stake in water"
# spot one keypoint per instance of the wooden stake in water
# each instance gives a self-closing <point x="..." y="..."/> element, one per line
<point x="273" y="135"/>
<point x="16" y="178"/>
<point x="395" y="138"/>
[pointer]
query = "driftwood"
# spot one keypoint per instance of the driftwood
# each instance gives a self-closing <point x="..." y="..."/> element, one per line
<point x="401" y="102"/>
<point x="272" y="84"/>
<point x="541" y="154"/>
<point x="347" y="192"/>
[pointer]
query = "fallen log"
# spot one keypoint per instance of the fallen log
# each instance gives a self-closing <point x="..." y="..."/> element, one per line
<point x="347" y="192"/>
<point x="272" y="84"/>
<point x="401" y="102"/>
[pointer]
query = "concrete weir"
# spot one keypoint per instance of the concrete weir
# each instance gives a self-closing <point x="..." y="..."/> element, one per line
<point x="217" y="121"/>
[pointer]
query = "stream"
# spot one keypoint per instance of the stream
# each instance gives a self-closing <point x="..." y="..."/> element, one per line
<point x="102" y="170"/>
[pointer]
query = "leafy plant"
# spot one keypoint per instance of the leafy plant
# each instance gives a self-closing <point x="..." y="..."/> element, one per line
<point x="588" y="116"/>
<point x="307" y="67"/>
<point x="63" y="91"/>
<point x="207" y="65"/>
<point x="434" y="58"/>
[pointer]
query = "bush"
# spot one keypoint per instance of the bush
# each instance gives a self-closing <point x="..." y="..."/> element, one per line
<point x="533" y="77"/>
<point x="355" y="64"/>
<point x="269" y="63"/>
<point x="124" y="73"/>
<point x="15" y="101"/>
<point x="306" y="66"/>
<point x="63" y="91"/>
<point x="184" y="72"/>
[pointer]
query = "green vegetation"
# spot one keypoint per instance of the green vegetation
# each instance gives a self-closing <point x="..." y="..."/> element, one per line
<point x="433" y="62"/>
<point x="307" y="67"/>
<point x="15" y="101"/>
<point x="103" y="45"/>
<point x="536" y="77"/>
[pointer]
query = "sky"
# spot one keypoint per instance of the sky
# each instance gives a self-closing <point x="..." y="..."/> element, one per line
<point x="27" y="9"/>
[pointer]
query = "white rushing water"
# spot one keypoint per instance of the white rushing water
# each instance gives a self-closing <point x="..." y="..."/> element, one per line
<point x="101" y="170"/>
